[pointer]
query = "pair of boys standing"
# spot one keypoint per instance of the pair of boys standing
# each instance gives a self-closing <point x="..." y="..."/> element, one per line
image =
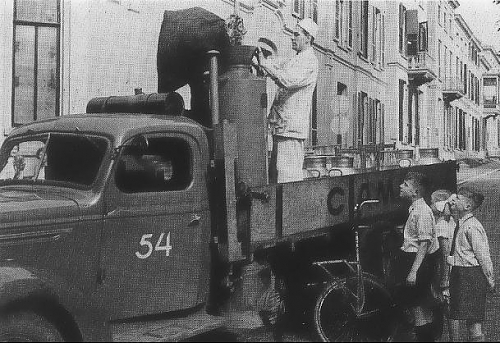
<point x="446" y="235"/>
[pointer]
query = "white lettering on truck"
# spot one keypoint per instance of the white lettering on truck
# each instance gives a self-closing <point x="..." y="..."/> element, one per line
<point x="145" y="242"/>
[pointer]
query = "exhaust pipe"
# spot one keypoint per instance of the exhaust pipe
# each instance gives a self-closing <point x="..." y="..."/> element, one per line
<point x="214" y="86"/>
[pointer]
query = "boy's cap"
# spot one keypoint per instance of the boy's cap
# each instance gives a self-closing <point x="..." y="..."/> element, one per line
<point x="440" y="205"/>
<point x="309" y="26"/>
<point x="440" y="195"/>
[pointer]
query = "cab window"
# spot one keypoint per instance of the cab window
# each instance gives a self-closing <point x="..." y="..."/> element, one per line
<point x="154" y="164"/>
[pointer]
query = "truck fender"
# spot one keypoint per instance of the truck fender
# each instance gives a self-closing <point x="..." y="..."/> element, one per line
<point x="77" y="316"/>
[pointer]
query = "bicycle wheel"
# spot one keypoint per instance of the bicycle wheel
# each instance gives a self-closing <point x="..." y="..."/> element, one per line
<point x="335" y="317"/>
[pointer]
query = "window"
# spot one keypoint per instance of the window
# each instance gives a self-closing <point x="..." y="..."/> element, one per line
<point x="56" y="158"/>
<point x="383" y="40"/>
<point x="379" y="37"/>
<point x="475" y="134"/>
<point x="465" y="79"/>
<point x="364" y="29"/>
<point x="445" y="69"/>
<point x="423" y="36"/>
<point x="477" y="91"/>
<point x="349" y="25"/>
<point x="402" y="86"/>
<point x="339" y="25"/>
<point x="402" y="29"/>
<point x="461" y="130"/>
<point x="376" y="36"/>
<point x="341" y="111"/>
<point x="314" y="10"/>
<point x="152" y="164"/>
<point x="490" y="92"/>
<point x="362" y="114"/>
<point x="439" y="13"/>
<point x="448" y="125"/>
<point x="372" y="120"/>
<point x="450" y="64"/>
<point x="35" y="88"/>
<point x="439" y="59"/>
<point x="498" y="132"/>
<point x="299" y="8"/>
<point x="380" y="121"/>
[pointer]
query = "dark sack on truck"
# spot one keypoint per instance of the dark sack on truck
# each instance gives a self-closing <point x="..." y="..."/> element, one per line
<point x="185" y="37"/>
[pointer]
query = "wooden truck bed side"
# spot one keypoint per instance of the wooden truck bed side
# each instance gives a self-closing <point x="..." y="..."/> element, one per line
<point x="312" y="207"/>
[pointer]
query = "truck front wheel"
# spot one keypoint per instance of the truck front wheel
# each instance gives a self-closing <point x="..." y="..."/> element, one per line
<point x="27" y="326"/>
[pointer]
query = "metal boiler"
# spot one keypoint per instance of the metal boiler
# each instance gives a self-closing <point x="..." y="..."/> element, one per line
<point x="243" y="102"/>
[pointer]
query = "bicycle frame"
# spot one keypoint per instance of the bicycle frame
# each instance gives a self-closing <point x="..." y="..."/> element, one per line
<point x="353" y="266"/>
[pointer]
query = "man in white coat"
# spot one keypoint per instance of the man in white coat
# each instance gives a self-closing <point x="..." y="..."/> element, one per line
<point x="290" y="113"/>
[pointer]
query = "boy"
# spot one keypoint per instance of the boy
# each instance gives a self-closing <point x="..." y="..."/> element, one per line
<point x="472" y="270"/>
<point x="416" y="260"/>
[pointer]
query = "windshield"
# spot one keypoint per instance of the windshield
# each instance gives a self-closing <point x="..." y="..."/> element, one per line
<point x="71" y="159"/>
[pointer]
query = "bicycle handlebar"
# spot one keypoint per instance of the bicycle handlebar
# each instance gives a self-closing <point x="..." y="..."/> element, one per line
<point x="358" y="207"/>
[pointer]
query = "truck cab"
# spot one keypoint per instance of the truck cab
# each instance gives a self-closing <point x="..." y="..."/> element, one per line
<point x="103" y="217"/>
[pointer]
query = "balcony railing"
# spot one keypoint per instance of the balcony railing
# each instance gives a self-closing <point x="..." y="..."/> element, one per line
<point x="421" y="68"/>
<point x="491" y="106"/>
<point x="490" y="102"/>
<point x="453" y="88"/>
<point x="422" y="60"/>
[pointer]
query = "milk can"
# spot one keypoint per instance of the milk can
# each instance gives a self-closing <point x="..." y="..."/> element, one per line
<point x="404" y="157"/>
<point x="339" y="165"/>
<point x="428" y="156"/>
<point x="314" y="166"/>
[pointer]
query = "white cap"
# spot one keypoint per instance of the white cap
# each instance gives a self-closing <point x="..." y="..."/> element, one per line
<point x="309" y="26"/>
<point x="440" y="205"/>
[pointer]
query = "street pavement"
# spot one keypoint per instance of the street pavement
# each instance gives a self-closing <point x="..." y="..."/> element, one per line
<point x="469" y="173"/>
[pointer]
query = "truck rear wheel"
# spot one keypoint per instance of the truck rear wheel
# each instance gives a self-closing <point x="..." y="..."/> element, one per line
<point x="27" y="326"/>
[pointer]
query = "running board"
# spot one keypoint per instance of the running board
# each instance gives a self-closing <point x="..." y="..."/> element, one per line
<point x="172" y="329"/>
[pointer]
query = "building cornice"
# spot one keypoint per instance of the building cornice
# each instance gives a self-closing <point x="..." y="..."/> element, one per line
<point x="493" y="53"/>
<point x="465" y="28"/>
<point x="454" y="4"/>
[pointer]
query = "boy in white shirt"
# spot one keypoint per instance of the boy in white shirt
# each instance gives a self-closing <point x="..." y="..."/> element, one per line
<point x="472" y="270"/>
<point x="416" y="260"/>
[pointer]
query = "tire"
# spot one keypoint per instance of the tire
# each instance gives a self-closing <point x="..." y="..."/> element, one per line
<point x="336" y="321"/>
<point x="27" y="327"/>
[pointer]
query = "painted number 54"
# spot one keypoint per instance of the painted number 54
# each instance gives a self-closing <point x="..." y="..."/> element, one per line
<point x="148" y="245"/>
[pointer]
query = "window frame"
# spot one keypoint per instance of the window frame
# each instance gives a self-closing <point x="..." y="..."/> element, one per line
<point x="36" y="25"/>
<point x="161" y="136"/>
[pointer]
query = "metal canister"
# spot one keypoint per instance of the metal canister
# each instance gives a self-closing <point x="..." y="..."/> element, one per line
<point x="314" y="166"/>
<point x="339" y="165"/>
<point x="428" y="156"/>
<point x="405" y="157"/>
<point x="243" y="102"/>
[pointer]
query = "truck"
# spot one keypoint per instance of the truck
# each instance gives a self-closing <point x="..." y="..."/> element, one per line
<point x="133" y="221"/>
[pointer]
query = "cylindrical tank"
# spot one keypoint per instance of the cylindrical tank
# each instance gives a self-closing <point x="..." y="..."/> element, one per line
<point x="154" y="103"/>
<point x="243" y="101"/>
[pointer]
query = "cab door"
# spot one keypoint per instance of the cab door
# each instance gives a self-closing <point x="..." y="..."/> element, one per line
<point x="155" y="255"/>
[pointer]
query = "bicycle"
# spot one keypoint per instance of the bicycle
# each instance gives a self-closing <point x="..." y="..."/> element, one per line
<point x="356" y="307"/>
